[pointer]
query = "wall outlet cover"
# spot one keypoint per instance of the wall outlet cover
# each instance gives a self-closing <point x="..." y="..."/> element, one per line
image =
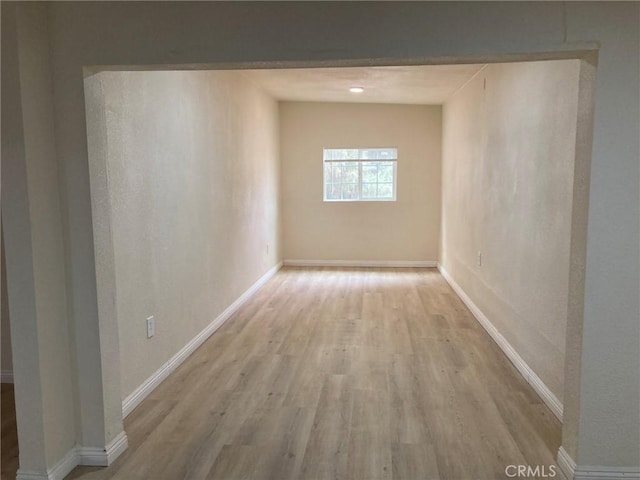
<point x="151" y="326"/>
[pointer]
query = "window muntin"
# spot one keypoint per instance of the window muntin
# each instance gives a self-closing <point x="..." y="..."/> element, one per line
<point x="360" y="174"/>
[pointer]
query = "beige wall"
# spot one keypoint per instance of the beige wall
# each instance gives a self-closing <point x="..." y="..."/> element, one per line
<point x="508" y="157"/>
<point x="607" y="390"/>
<point x="407" y="229"/>
<point x="193" y="186"/>
<point x="34" y="243"/>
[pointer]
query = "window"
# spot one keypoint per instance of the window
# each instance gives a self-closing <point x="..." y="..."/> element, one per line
<point x="360" y="174"/>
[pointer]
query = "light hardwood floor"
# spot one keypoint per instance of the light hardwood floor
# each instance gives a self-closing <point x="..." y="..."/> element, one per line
<point x="341" y="374"/>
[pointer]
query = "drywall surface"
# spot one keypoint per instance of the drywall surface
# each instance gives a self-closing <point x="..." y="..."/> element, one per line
<point x="607" y="402"/>
<point x="192" y="161"/>
<point x="508" y="158"/>
<point x="6" y="363"/>
<point x="407" y="229"/>
<point x="610" y="367"/>
<point x="34" y="244"/>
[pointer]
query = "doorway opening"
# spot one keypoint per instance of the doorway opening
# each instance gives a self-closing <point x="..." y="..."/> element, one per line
<point x="120" y="172"/>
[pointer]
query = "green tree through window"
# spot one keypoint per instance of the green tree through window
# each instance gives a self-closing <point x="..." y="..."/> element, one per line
<point x="360" y="174"/>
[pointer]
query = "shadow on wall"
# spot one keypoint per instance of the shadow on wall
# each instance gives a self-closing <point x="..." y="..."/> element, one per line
<point x="6" y="364"/>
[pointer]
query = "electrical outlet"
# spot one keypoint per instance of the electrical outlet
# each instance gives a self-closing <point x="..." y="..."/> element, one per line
<point x="151" y="326"/>
<point x="267" y="249"/>
<point x="479" y="259"/>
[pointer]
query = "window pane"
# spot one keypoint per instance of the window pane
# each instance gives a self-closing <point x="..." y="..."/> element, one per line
<point x="369" y="190"/>
<point x="369" y="173"/>
<point x="359" y="174"/>
<point x="333" y="192"/>
<point x="350" y="192"/>
<point x="350" y="173"/>
<point x="360" y="154"/>
<point x="328" y="173"/>
<point x="385" y="190"/>
<point x="385" y="173"/>
<point x="387" y="153"/>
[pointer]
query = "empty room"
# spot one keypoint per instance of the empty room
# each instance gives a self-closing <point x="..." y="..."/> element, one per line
<point x="228" y="254"/>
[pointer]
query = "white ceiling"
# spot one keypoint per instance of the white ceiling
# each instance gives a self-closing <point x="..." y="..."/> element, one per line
<point x="424" y="84"/>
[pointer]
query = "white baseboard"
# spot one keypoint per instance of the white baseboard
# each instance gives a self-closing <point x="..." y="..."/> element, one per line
<point x="529" y="375"/>
<point x="566" y="463"/>
<point x="57" y="472"/>
<point x="362" y="263"/>
<point x="140" y="393"/>
<point x="606" y="473"/>
<point x="6" y="376"/>
<point x="103" y="457"/>
<point x="589" y="472"/>
<point x="79" y="455"/>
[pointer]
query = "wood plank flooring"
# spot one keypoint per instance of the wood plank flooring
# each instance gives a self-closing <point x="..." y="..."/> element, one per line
<point x="8" y="433"/>
<point x="330" y="373"/>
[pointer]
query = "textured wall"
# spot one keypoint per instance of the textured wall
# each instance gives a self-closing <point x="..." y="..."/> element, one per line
<point x="34" y="243"/>
<point x="407" y="229"/>
<point x="508" y="157"/>
<point x="193" y="187"/>
<point x="143" y="33"/>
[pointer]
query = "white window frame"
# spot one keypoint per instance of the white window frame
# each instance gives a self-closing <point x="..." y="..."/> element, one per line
<point x="393" y="161"/>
